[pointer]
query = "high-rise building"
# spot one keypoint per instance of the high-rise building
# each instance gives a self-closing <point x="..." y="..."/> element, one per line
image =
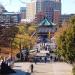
<point x="23" y="12"/>
<point x="57" y="11"/>
<point x="50" y="8"/>
<point x="31" y="10"/>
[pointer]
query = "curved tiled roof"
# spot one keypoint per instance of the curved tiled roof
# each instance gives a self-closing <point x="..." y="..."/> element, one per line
<point x="45" y="22"/>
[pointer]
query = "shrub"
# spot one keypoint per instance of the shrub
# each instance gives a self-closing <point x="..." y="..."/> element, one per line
<point x="73" y="70"/>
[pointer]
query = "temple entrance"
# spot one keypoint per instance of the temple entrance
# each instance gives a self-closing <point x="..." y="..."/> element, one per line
<point x="43" y="37"/>
<point x="44" y="30"/>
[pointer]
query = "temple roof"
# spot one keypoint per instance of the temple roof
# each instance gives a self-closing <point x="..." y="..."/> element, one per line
<point x="45" y="22"/>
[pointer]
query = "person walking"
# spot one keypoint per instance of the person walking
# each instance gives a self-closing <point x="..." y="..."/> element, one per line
<point x="35" y="60"/>
<point x="45" y="59"/>
<point x="32" y="68"/>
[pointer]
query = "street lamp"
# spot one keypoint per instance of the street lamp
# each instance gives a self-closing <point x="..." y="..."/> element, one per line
<point x="20" y="49"/>
<point x="11" y="41"/>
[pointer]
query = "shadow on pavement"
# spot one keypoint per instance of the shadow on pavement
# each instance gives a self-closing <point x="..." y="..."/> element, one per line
<point x="19" y="72"/>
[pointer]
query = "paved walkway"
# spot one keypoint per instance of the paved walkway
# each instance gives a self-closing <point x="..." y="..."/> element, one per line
<point x="52" y="69"/>
<point x="21" y="68"/>
<point x="43" y="69"/>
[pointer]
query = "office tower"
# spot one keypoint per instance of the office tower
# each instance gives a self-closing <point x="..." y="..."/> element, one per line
<point x="23" y="12"/>
<point x="31" y="10"/>
<point x="57" y="12"/>
<point x="50" y="8"/>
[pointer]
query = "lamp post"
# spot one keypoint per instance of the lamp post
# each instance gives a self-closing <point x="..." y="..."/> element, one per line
<point x="20" y="49"/>
<point x="11" y="41"/>
<point x="11" y="47"/>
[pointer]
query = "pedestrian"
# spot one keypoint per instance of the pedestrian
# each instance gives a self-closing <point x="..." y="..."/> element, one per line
<point x="45" y="59"/>
<point x="37" y="50"/>
<point x="51" y="57"/>
<point x="55" y="59"/>
<point x="35" y="60"/>
<point x="32" y="68"/>
<point x="40" y="59"/>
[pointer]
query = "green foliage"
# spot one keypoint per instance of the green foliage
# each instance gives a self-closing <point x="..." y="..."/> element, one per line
<point x="21" y="29"/>
<point x="24" y="36"/>
<point x="65" y="39"/>
<point x="13" y="36"/>
<point x="73" y="70"/>
<point x="7" y="35"/>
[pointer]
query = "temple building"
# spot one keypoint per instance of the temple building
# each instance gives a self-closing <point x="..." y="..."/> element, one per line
<point x="46" y="30"/>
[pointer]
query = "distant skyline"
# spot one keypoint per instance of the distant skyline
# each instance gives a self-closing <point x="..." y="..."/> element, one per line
<point x="68" y="6"/>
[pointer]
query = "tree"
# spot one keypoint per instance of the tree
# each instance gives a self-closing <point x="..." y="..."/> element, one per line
<point x="13" y="36"/>
<point x="65" y="39"/>
<point x="25" y="34"/>
<point x="24" y="39"/>
<point x="7" y="34"/>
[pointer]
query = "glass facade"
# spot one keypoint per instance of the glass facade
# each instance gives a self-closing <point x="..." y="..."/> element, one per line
<point x="38" y="7"/>
<point x="10" y="18"/>
<point x="48" y="7"/>
<point x="23" y="9"/>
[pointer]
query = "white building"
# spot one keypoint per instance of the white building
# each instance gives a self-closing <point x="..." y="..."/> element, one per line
<point x="31" y="10"/>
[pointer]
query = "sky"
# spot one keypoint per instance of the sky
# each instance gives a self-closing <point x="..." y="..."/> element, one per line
<point x="68" y="6"/>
